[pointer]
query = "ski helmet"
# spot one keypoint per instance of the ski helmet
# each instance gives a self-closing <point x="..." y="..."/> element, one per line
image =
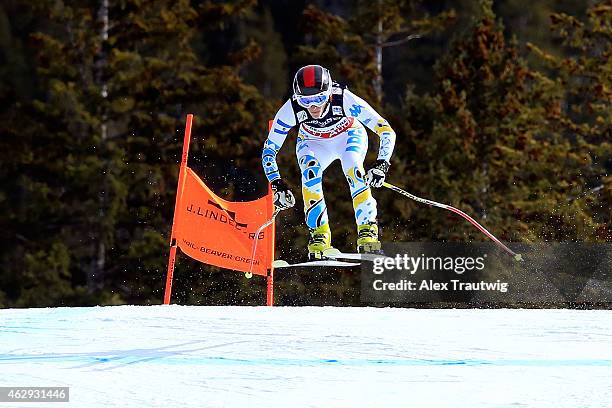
<point x="312" y="85"/>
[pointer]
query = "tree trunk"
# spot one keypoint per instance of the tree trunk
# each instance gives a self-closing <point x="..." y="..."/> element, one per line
<point x="98" y="263"/>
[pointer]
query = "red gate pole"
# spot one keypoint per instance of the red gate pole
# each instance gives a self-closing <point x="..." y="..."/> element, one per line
<point x="270" y="276"/>
<point x="179" y="195"/>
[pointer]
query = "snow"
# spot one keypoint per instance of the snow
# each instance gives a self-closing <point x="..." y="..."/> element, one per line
<point x="187" y="356"/>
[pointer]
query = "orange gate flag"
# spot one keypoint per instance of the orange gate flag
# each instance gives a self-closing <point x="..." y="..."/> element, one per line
<point x="222" y="233"/>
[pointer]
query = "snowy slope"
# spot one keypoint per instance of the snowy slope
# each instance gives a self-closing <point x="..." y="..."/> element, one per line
<point x="179" y="356"/>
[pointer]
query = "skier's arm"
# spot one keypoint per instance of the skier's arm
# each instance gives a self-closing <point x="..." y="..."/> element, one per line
<point x="358" y="108"/>
<point x="283" y="122"/>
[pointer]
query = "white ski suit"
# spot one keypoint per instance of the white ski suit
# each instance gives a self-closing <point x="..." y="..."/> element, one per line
<point x="338" y="134"/>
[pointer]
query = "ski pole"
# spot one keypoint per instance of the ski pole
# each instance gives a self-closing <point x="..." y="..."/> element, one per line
<point x="249" y="274"/>
<point x="475" y="223"/>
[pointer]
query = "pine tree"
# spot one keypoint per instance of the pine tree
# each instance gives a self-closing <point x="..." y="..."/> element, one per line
<point x="54" y="168"/>
<point x="490" y="149"/>
<point x="92" y="179"/>
<point x="582" y="113"/>
<point x="268" y="70"/>
<point x="353" y="47"/>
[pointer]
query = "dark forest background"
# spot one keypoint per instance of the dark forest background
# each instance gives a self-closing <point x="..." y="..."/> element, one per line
<point x="501" y="108"/>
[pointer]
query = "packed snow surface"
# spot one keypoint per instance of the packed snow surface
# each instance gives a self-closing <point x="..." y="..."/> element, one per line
<point x="187" y="356"/>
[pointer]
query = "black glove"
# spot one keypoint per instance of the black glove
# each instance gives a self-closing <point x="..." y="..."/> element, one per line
<point x="283" y="197"/>
<point x="376" y="175"/>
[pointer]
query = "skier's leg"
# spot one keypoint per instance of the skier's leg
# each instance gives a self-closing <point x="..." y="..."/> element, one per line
<point x="355" y="149"/>
<point x="364" y="204"/>
<point x="313" y="158"/>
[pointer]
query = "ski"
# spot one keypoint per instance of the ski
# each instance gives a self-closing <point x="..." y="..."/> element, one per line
<point x="336" y="254"/>
<point x="279" y="263"/>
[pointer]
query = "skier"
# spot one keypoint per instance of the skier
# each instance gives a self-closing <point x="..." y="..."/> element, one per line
<point x="330" y="119"/>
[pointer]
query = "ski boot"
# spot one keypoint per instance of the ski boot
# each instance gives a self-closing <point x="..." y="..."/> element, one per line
<point x="319" y="241"/>
<point x="367" y="239"/>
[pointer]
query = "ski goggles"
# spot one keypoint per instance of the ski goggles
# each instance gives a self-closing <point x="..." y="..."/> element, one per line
<point x="306" y="101"/>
